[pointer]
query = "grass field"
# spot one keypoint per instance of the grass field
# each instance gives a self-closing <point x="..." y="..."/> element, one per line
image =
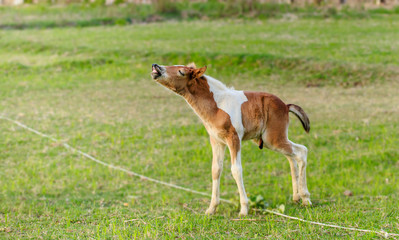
<point x="90" y="87"/>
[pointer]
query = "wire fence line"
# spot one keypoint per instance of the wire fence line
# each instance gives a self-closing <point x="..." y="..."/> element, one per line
<point x="131" y="173"/>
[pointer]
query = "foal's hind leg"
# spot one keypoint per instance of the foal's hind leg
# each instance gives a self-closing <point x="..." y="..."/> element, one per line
<point x="298" y="161"/>
<point x="275" y="137"/>
<point x="301" y="154"/>
<point x="296" y="155"/>
<point x="295" y="178"/>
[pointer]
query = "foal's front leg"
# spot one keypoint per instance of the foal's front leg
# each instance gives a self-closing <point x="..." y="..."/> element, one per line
<point x="218" y="150"/>
<point x="236" y="170"/>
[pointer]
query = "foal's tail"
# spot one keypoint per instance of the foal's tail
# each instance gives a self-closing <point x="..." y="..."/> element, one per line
<point x="298" y="111"/>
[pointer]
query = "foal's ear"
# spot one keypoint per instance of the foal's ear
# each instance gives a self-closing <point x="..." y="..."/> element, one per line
<point x="198" y="72"/>
<point x="191" y="65"/>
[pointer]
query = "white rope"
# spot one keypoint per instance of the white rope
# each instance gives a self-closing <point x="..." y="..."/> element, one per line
<point x="382" y="232"/>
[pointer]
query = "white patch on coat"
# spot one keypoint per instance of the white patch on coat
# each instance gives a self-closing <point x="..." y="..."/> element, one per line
<point x="230" y="101"/>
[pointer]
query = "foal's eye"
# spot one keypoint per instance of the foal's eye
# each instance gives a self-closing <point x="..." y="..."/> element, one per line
<point x="181" y="73"/>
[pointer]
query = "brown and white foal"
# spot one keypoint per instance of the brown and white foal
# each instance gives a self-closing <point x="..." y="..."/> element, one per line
<point x="231" y="116"/>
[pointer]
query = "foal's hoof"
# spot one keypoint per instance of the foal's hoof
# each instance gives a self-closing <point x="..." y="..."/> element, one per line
<point x="243" y="213"/>
<point x="210" y="211"/>
<point x="296" y="198"/>
<point x="306" y="202"/>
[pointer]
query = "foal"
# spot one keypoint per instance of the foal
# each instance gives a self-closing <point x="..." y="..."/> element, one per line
<point x="232" y="116"/>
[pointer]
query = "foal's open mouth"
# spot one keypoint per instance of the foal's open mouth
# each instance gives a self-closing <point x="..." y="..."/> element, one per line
<point x="156" y="71"/>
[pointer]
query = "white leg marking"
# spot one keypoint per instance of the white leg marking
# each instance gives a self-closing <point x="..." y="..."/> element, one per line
<point x="218" y="150"/>
<point x="295" y="177"/>
<point x="300" y="155"/>
<point x="236" y="170"/>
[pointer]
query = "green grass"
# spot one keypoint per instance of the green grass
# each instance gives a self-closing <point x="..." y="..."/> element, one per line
<point x="95" y="14"/>
<point x="91" y="88"/>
